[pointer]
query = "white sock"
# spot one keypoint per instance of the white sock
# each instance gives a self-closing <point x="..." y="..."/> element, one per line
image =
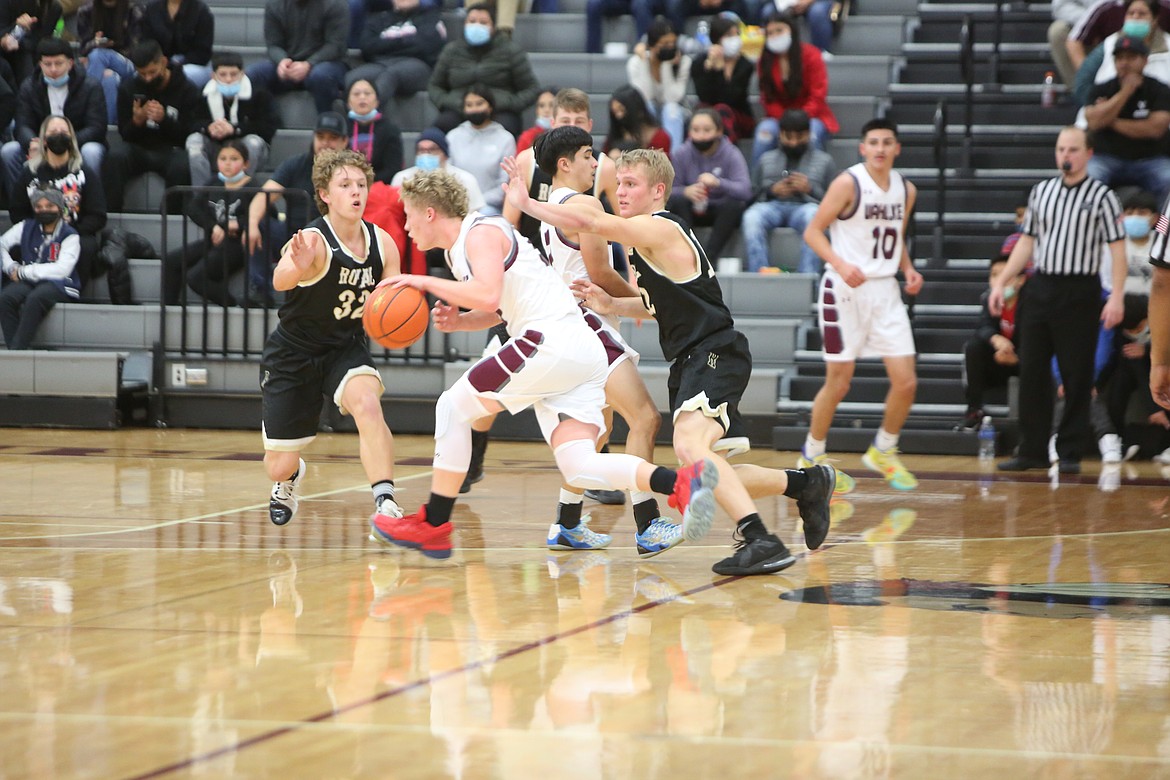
<point x="569" y="497"/>
<point x="885" y="440"/>
<point x="638" y="496"/>
<point x="813" y="448"/>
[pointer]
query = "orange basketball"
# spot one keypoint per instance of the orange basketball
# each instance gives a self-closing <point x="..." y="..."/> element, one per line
<point x="396" y="318"/>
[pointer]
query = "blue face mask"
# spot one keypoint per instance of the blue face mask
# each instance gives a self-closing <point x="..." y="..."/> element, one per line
<point x="476" y="34"/>
<point x="228" y="90"/>
<point x="426" y="162"/>
<point x="57" y="82"/>
<point x="232" y="179"/>
<point x="369" y="117"/>
<point x="1137" y="28"/>
<point x="544" y="121"/>
<point x="1136" y="226"/>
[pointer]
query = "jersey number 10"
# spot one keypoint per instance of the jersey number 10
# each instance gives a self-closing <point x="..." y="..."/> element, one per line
<point x="884" y="242"/>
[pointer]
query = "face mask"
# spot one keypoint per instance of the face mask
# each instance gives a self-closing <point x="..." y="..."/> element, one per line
<point x="779" y="44"/>
<point x="703" y="146"/>
<point x="544" y="121"/>
<point x="57" y="82"/>
<point x="48" y="217"/>
<point x="476" y="34"/>
<point x="228" y="90"/>
<point x="1009" y="292"/>
<point x="232" y="179"/>
<point x="1141" y="338"/>
<point x="1136" y="226"/>
<point x="732" y="46"/>
<point x="426" y="162"/>
<point x="367" y="117"/>
<point x="666" y="53"/>
<point x="1137" y="28"/>
<point x="477" y="118"/>
<point x="795" y="151"/>
<point x="58" y="143"/>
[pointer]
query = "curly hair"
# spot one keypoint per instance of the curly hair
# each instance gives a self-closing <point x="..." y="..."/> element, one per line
<point x="438" y="190"/>
<point x="328" y="163"/>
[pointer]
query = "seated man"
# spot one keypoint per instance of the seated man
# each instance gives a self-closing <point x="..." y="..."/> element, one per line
<point x="1129" y="117"/>
<point x="306" y="49"/>
<point x="237" y="111"/>
<point x="790" y="180"/>
<point x="157" y="113"/>
<point x="400" y="46"/>
<point x="431" y="152"/>
<point x="990" y="357"/>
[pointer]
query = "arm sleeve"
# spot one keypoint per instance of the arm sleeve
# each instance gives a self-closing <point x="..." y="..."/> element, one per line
<point x="93" y="129"/>
<point x="26" y="127"/>
<point x="674" y="83"/>
<point x="336" y="33"/>
<point x="262" y="118"/>
<point x="736" y="182"/>
<point x="821" y="177"/>
<point x="92" y="216"/>
<point x="439" y="87"/>
<point x="202" y="39"/>
<point x="988" y="325"/>
<point x="524" y="82"/>
<point x="18" y="206"/>
<point x="275" y="38"/>
<point x="10" y="239"/>
<point x="61" y="268"/>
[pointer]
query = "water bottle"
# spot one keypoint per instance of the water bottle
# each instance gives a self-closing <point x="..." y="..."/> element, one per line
<point x="986" y="439"/>
<point x="703" y="35"/>
<point x="1048" y="90"/>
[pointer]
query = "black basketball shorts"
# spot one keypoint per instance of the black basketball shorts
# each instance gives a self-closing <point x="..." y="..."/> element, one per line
<point x="712" y="378"/>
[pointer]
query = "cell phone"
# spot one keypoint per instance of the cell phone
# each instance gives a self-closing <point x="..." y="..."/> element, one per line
<point x="140" y="98"/>
<point x="784" y="174"/>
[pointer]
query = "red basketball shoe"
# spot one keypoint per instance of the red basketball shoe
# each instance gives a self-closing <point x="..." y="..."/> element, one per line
<point x="415" y="532"/>
<point x="694" y="496"/>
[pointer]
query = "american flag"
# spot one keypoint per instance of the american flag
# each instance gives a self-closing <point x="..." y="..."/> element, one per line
<point x="1163" y="224"/>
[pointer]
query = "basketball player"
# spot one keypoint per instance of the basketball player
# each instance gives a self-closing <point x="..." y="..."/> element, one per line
<point x="318" y="347"/>
<point x="565" y="154"/>
<point x="866" y="210"/>
<point x="552" y="362"/>
<point x="710" y="360"/>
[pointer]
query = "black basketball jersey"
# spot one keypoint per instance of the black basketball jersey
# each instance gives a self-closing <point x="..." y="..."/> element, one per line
<point x="327" y="312"/>
<point x="538" y="190"/>
<point x="689" y="311"/>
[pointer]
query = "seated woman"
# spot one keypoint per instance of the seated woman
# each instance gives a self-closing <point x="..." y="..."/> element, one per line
<point x="43" y="274"/>
<point x="1141" y="21"/>
<point x="545" y="103"/>
<point x="223" y="214"/>
<point x="630" y="122"/>
<point x="480" y="144"/>
<point x="722" y="79"/>
<point x="371" y="133"/>
<point x="792" y="75"/>
<point x="55" y="164"/>
<point x="712" y="185"/>
<point x="660" y="71"/>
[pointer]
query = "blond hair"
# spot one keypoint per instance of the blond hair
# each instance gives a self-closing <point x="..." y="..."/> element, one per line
<point x="328" y="163"/>
<point x="438" y="190"/>
<point x="654" y="162"/>
<point x="571" y="99"/>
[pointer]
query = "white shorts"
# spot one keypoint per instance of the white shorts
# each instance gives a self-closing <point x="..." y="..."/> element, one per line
<point x="616" y="348"/>
<point x="865" y="321"/>
<point x="558" y="368"/>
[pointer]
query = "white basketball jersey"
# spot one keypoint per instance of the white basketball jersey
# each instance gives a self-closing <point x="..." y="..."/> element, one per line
<point x="532" y="292"/>
<point x="870" y="236"/>
<point x="564" y="255"/>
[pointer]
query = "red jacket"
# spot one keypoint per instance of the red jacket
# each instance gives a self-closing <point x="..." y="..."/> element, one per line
<point x="384" y="208"/>
<point x="813" y="97"/>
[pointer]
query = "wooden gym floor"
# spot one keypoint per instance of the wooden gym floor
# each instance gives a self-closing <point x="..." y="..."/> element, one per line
<point x="153" y="623"/>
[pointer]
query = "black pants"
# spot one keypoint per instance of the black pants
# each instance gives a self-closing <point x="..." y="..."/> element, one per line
<point x="126" y="162"/>
<point x="207" y="269"/>
<point x="723" y="218"/>
<point x="1061" y="319"/>
<point x="23" y="307"/>
<point x="983" y="373"/>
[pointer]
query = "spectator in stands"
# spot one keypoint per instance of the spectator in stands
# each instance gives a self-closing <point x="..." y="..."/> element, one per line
<point x="991" y="356"/>
<point x="545" y="103"/>
<point x="157" y="112"/>
<point x="659" y="70"/>
<point x="790" y="182"/>
<point x="642" y="10"/>
<point x="1160" y="313"/>
<point x="1103" y="18"/>
<point x="1127" y="376"/>
<point x="58" y="164"/>
<point x="265" y="236"/>
<point x="401" y="45"/>
<point x="817" y="13"/>
<point x="632" y="124"/>
<point x="480" y="144"/>
<point x="431" y="152"/>
<point x="306" y="49"/>
<point x="239" y="111"/>
<point x="222" y="214"/>
<point x="712" y="185"/>
<point x="46" y="272"/>
<point x="58" y="88"/>
<point x="1099" y="66"/>
<point x="1139" y="215"/>
<point x="1065" y="15"/>
<point x="679" y="10"/>
<point x="792" y="75"/>
<point x="483" y="57"/>
<point x="185" y="29"/>
<point x="723" y="79"/>
<point x="25" y="24"/>
<point x="371" y="132"/>
<point x="1129" y="116"/>
<point x="107" y="29"/>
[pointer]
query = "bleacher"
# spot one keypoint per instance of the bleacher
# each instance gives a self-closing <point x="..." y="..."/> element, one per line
<point x="893" y="57"/>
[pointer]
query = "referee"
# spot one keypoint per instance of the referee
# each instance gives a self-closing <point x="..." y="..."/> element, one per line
<point x="1069" y="220"/>
<point x="1160" y="311"/>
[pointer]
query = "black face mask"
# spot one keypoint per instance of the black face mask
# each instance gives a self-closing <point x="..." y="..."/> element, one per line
<point x="477" y="118"/>
<point x="703" y="146"/>
<point x="794" y="152"/>
<point x="666" y="53"/>
<point x="47" y="217"/>
<point x="58" y="143"/>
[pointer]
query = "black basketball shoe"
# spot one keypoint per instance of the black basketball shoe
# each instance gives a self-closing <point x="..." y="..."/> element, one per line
<point x="813" y="503"/>
<point x="764" y="555"/>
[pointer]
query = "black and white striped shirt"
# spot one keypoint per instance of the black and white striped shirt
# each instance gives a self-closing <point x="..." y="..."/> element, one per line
<point x="1158" y="253"/>
<point x="1072" y="225"/>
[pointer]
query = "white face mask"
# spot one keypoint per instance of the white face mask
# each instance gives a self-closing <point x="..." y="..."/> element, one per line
<point x="732" y="46"/>
<point x="779" y="44"/>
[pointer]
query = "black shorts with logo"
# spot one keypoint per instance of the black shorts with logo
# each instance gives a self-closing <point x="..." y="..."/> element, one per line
<point x="719" y="366"/>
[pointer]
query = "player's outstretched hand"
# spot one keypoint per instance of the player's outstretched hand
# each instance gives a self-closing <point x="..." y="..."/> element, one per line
<point x="913" y="282"/>
<point x="594" y="297"/>
<point x="1160" y="385"/>
<point x="515" y="190"/>
<point x="445" y="318"/>
<point x="303" y="248"/>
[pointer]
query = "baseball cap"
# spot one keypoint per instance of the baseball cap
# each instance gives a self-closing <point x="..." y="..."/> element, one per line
<point x="1131" y="44"/>
<point x="330" y="122"/>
